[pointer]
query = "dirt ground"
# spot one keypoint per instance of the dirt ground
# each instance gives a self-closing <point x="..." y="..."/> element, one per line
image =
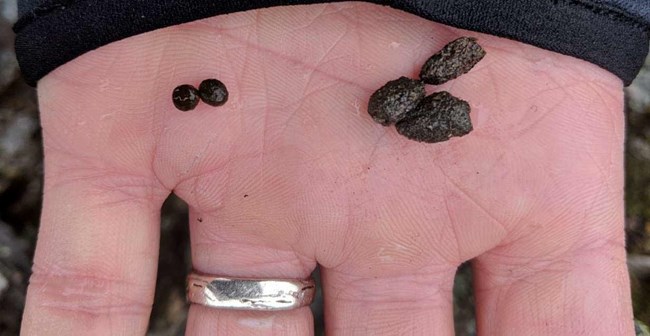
<point x="20" y="202"/>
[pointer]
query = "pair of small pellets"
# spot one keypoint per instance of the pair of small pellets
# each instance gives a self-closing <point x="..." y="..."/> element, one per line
<point x="439" y="116"/>
<point x="211" y="91"/>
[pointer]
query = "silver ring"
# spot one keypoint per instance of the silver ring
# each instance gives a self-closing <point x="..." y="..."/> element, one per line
<point x="249" y="294"/>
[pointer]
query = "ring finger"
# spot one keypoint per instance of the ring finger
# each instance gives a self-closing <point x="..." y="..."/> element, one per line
<point x="222" y="249"/>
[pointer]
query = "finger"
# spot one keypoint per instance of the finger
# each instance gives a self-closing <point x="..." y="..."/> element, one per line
<point x="562" y="278"/>
<point x="562" y="270"/>
<point x="584" y="291"/>
<point x="221" y="247"/>
<point x="95" y="262"/>
<point x="418" y="303"/>
<point x="209" y="321"/>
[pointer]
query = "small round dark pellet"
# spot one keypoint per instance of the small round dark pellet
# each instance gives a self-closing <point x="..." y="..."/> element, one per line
<point x="185" y="97"/>
<point x="213" y="92"/>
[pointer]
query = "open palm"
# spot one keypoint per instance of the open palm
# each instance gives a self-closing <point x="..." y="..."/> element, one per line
<point x="292" y="172"/>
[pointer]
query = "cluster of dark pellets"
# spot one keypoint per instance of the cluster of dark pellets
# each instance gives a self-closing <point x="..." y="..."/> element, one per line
<point x="211" y="91"/>
<point x="436" y="117"/>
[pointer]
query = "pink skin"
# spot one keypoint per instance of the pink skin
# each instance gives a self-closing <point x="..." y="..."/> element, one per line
<point x="534" y="193"/>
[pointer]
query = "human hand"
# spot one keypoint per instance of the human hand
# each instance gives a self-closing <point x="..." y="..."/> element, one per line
<point x="292" y="172"/>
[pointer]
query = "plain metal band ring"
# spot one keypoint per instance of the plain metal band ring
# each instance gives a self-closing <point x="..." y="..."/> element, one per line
<point x="249" y="294"/>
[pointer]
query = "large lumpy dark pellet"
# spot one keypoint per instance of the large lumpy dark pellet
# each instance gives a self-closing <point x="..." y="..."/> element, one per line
<point x="388" y="104"/>
<point x="185" y="97"/>
<point x="213" y="92"/>
<point x="437" y="118"/>
<point x="455" y="59"/>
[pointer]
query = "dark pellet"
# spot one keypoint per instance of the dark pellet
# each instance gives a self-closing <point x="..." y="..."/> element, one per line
<point x="455" y="59"/>
<point x="388" y="104"/>
<point x="213" y="92"/>
<point x="437" y="118"/>
<point x="185" y="97"/>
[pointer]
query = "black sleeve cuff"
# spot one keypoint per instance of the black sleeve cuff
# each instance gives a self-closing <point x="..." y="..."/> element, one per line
<point x="54" y="32"/>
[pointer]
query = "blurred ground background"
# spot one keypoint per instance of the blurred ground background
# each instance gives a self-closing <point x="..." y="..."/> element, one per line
<point x="20" y="202"/>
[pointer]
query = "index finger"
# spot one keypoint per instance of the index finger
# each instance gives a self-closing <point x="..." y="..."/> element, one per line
<point x="95" y="262"/>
